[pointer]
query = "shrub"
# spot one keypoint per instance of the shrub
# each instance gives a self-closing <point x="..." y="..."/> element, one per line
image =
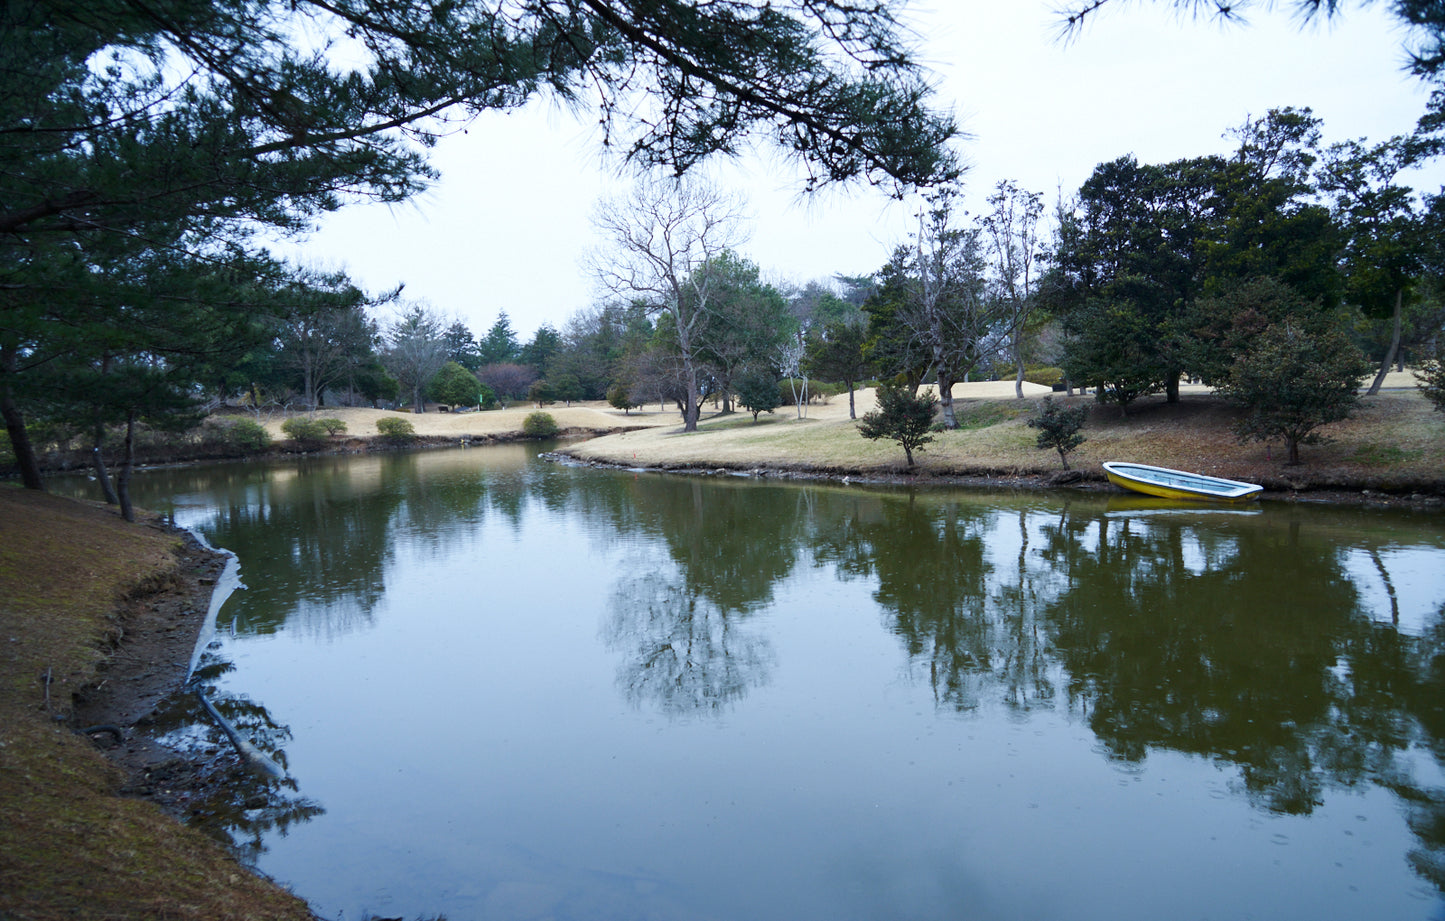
<point x="242" y="436"/>
<point x="1045" y="376"/>
<point x="1291" y="381"/>
<point x="901" y="416"/>
<point x="757" y="392"/>
<point x="307" y="432"/>
<point x="1430" y="378"/>
<point x="540" y="425"/>
<point x="1059" y="427"/>
<point x="396" y="429"/>
<point x="793" y="389"/>
<point x="333" y="426"/>
<point x="619" y="398"/>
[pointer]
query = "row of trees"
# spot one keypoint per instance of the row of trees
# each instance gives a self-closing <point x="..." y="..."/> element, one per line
<point x="1217" y="268"/>
<point x="1155" y="263"/>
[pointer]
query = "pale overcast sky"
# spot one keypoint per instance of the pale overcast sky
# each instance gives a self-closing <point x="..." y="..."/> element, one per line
<point x="507" y="226"/>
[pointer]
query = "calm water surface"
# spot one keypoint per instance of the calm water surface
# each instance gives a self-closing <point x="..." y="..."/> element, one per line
<point x="509" y="689"/>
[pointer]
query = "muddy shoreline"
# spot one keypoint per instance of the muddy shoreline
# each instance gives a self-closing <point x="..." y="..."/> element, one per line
<point x="147" y="670"/>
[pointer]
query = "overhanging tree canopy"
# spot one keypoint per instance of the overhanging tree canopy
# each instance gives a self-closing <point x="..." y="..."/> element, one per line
<point x="169" y="132"/>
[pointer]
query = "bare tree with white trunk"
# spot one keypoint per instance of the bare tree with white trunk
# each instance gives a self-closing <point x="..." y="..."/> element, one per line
<point x="664" y="243"/>
<point x="1011" y="230"/>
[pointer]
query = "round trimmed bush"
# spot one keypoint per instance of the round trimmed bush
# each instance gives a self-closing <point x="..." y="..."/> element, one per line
<point x="540" y="425"/>
<point x="306" y="431"/>
<point x="244" y="436"/>
<point x="396" y="429"/>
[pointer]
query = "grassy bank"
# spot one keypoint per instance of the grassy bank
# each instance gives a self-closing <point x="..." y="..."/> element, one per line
<point x="75" y="583"/>
<point x="1395" y="443"/>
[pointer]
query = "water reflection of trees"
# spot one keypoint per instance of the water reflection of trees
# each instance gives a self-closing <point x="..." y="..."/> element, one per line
<point x="732" y="541"/>
<point x="684" y="626"/>
<point x="1241" y="640"/>
<point x="230" y="803"/>
<point x="315" y="538"/>
<point x="1236" y="661"/>
<point x="682" y="652"/>
<point x="970" y="624"/>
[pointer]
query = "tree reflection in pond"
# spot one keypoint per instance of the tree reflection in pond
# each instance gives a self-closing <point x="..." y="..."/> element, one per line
<point x="682" y="653"/>
<point x="230" y="803"/>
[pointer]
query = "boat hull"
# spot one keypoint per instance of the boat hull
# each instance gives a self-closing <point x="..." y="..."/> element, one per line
<point x="1167" y="483"/>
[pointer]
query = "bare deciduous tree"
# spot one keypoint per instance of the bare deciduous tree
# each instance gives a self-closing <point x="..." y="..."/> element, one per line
<point x="416" y="350"/>
<point x="666" y="238"/>
<point x="1011" y="230"/>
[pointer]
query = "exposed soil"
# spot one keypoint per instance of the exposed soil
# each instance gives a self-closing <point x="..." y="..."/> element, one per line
<point x="158" y="631"/>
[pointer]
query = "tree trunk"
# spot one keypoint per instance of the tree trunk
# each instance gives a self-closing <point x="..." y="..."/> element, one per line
<point x="1171" y="387"/>
<point x="852" y="410"/>
<point x="102" y="476"/>
<point x="693" y="408"/>
<point x="1064" y="457"/>
<point x="1018" y="349"/>
<point x="945" y="402"/>
<point x="122" y="481"/>
<point x="1291" y="444"/>
<point x="1394" y="345"/>
<point x="15" y="423"/>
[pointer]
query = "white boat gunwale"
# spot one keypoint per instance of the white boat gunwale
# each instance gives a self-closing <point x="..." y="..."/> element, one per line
<point x="1127" y="474"/>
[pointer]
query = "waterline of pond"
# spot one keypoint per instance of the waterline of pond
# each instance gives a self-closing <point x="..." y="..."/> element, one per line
<point x="519" y="690"/>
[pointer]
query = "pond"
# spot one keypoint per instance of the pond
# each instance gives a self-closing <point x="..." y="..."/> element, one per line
<point x="511" y="689"/>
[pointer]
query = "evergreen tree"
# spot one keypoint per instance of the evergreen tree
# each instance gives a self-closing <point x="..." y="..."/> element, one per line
<point x="1059" y="427"/>
<point x="757" y="390"/>
<point x="454" y="385"/>
<point x="499" y="345"/>
<point x="1430" y="376"/>
<point x="746" y="322"/>
<point x="1292" y="381"/>
<point x="461" y="346"/>
<point x="901" y="416"/>
<point x="836" y="355"/>
<point x="543" y="347"/>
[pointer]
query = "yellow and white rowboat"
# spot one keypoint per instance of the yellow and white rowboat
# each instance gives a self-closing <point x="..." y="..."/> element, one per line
<point x="1178" y="484"/>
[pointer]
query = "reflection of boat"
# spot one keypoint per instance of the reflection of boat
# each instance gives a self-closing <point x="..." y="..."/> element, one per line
<point x="1178" y="484"/>
<point x="1137" y="503"/>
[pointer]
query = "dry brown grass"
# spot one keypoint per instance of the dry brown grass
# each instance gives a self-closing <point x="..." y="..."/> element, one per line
<point x="69" y="846"/>
<point x="1395" y="442"/>
<point x="596" y="417"/>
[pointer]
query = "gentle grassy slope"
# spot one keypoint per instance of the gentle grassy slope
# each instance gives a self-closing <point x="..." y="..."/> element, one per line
<point x="1394" y="442"/>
